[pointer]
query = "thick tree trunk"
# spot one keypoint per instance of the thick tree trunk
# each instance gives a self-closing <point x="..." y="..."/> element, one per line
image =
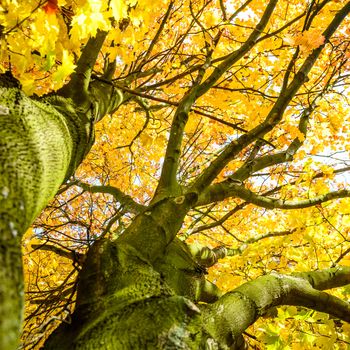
<point x="124" y="303"/>
<point x="142" y="292"/>
<point x="131" y="300"/>
<point x="42" y="141"/>
<point x="138" y="292"/>
<point x="41" y="144"/>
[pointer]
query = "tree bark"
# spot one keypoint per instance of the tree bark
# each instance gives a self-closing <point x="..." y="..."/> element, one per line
<point x="137" y="293"/>
<point x="42" y="141"/>
<point x="123" y="303"/>
<point x="142" y="290"/>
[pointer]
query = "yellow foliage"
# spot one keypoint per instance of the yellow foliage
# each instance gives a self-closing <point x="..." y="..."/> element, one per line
<point x="308" y="40"/>
<point x="162" y="66"/>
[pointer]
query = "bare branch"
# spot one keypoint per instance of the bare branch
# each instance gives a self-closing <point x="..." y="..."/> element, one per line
<point x="156" y="37"/>
<point x="168" y="184"/>
<point x="69" y="254"/>
<point x="239" y="10"/>
<point x="221" y="191"/>
<point x="209" y="257"/>
<point x="254" y="165"/>
<point x="125" y="200"/>
<point x="173" y="103"/>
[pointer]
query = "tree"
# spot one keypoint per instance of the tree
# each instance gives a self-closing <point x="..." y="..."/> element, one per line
<point x="243" y="98"/>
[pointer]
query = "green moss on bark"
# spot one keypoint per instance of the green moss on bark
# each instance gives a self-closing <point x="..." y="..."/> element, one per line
<point x="39" y="148"/>
<point x="123" y="303"/>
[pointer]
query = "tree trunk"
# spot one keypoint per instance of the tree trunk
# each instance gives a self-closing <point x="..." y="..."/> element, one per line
<point x="42" y="141"/>
<point x="142" y="290"/>
<point x="138" y="292"/>
<point x="39" y="148"/>
<point x="124" y="303"/>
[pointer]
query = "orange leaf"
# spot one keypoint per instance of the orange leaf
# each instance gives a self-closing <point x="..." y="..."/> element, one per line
<point x="51" y="7"/>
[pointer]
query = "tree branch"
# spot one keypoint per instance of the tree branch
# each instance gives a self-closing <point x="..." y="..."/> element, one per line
<point x="209" y="257"/>
<point x="327" y="279"/>
<point x="196" y="67"/>
<point x="257" y="164"/>
<point x="65" y="253"/>
<point x="219" y="192"/>
<point x="156" y="37"/>
<point x="173" y="103"/>
<point x="78" y="86"/>
<point x="125" y="200"/>
<point x="243" y="204"/>
<point x="228" y="317"/>
<point x="238" y="54"/>
<point x="168" y="184"/>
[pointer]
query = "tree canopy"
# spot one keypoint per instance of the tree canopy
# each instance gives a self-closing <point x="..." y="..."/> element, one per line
<point x="237" y="110"/>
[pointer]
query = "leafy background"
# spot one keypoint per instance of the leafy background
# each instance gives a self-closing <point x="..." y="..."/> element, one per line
<point x="41" y="41"/>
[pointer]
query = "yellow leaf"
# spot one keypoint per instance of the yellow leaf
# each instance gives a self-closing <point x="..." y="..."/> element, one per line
<point x="309" y="40"/>
<point x="192" y="123"/>
<point x="65" y="69"/>
<point x="146" y="139"/>
<point x="118" y="9"/>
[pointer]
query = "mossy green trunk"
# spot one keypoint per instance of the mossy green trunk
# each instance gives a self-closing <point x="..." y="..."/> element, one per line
<point x="124" y="303"/>
<point x="39" y="147"/>
<point x="140" y="291"/>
